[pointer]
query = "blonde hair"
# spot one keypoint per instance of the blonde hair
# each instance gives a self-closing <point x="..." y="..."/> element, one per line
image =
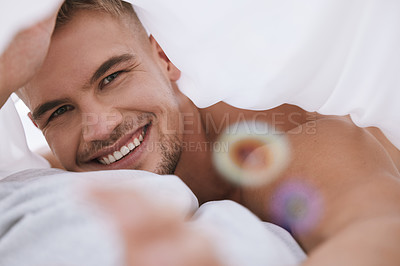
<point x="116" y="8"/>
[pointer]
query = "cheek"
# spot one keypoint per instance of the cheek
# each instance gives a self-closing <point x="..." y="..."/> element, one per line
<point x="144" y="93"/>
<point x="63" y="145"/>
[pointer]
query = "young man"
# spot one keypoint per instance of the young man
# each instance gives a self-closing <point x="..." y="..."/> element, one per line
<point x="45" y="221"/>
<point x="105" y="86"/>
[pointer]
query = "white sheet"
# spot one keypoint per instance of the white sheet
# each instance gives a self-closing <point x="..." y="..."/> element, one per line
<point x="20" y="14"/>
<point x="44" y="222"/>
<point x="15" y="154"/>
<point x="336" y="57"/>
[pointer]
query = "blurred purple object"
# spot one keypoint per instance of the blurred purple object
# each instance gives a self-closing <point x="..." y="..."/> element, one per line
<point x="296" y="206"/>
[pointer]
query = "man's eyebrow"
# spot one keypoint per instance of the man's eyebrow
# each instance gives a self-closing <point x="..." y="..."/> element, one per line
<point x="44" y="108"/>
<point x="115" y="60"/>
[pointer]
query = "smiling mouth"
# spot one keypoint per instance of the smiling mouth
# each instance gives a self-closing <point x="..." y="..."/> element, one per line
<point x="125" y="150"/>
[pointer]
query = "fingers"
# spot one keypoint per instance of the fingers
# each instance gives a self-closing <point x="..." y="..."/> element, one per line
<point x="183" y="247"/>
<point x="153" y="233"/>
<point x="135" y="213"/>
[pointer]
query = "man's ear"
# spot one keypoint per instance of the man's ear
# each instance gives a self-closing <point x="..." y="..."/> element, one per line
<point x="173" y="72"/>
<point x="33" y="121"/>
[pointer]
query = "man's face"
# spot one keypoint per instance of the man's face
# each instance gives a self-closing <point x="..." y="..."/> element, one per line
<point x="104" y="98"/>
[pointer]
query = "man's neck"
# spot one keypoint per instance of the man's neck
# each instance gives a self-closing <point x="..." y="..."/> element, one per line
<point x="195" y="166"/>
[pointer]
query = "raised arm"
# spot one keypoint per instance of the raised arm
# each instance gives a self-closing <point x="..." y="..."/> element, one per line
<point x="24" y="56"/>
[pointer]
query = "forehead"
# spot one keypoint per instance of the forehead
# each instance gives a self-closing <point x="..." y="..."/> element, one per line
<point x="77" y="49"/>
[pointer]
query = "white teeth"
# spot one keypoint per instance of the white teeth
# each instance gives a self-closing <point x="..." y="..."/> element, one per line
<point x="131" y="146"/>
<point x="136" y="142"/>
<point x="111" y="158"/>
<point x="117" y="155"/>
<point x="124" y="150"/>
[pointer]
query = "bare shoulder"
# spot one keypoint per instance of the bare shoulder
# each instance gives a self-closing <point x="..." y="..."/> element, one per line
<point x="283" y="118"/>
<point x="337" y="142"/>
<point x="352" y="170"/>
<point x="348" y="167"/>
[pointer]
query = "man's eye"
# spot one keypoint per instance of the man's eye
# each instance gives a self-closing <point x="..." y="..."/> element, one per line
<point x="110" y="78"/>
<point x="61" y="111"/>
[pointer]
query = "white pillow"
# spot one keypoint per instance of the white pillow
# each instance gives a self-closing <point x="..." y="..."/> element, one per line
<point x="14" y="152"/>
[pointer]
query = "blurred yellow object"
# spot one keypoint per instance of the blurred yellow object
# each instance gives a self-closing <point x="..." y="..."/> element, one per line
<point x="255" y="154"/>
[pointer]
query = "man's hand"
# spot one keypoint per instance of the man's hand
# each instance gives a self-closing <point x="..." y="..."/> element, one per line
<point x="154" y="234"/>
<point x="24" y="57"/>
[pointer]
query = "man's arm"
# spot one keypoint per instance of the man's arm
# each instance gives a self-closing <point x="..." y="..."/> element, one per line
<point x="5" y="91"/>
<point x="24" y="56"/>
<point x="370" y="242"/>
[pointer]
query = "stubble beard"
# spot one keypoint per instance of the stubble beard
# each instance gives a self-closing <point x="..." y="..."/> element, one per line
<point x="171" y="150"/>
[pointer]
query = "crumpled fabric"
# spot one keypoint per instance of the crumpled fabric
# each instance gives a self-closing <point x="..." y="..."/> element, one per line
<point x="20" y="14"/>
<point x="336" y="57"/>
<point x="14" y="152"/>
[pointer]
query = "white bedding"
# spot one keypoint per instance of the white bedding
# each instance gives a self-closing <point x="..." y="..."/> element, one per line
<point x="336" y="57"/>
<point x="44" y="221"/>
<point x="15" y="154"/>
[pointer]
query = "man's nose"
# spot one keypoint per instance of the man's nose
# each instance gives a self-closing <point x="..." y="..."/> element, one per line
<point x="99" y="125"/>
